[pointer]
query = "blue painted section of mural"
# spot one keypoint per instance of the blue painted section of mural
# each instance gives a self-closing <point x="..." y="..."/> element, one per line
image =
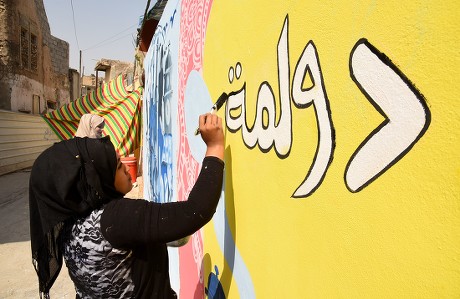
<point x="160" y="118"/>
<point x="197" y="97"/>
<point x="159" y="98"/>
<point x="231" y="253"/>
<point x="214" y="289"/>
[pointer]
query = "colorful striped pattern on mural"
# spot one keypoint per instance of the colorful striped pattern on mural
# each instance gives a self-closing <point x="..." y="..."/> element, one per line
<point x="120" y="108"/>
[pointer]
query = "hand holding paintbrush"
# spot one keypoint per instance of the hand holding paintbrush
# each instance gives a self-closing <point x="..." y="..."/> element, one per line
<point x="212" y="133"/>
<point x="219" y="103"/>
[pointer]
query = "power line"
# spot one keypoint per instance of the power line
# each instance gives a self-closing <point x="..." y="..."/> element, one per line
<point x="74" y="26"/>
<point x="102" y="43"/>
<point x="98" y="46"/>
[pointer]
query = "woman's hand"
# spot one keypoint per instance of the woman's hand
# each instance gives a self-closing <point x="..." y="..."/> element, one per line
<point x="212" y="134"/>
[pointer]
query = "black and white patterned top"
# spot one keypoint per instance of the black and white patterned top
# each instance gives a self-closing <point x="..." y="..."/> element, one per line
<point x="97" y="269"/>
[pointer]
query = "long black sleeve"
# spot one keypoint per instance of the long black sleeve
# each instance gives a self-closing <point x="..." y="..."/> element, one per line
<point x="127" y="223"/>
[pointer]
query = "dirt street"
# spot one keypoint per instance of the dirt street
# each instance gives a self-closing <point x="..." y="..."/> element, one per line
<point x="17" y="274"/>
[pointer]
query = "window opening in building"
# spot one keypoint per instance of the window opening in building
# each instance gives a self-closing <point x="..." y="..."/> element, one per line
<point x="33" y="53"/>
<point x="51" y="105"/>
<point x="28" y="44"/>
<point x="24" y="48"/>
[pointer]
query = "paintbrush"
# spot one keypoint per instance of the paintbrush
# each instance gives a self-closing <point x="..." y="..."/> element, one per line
<point x="220" y="101"/>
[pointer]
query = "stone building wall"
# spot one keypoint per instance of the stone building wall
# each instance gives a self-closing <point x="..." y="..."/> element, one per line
<point x="113" y="68"/>
<point x="42" y="82"/>
<point x="7" y="66"/>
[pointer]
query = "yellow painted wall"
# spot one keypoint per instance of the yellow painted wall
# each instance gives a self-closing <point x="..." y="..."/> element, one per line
<point x="398" y="236"/>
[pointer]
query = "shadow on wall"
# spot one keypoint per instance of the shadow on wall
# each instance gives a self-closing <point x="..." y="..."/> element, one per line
<point x="230" y="241"/>
<point x="217" y="288"/>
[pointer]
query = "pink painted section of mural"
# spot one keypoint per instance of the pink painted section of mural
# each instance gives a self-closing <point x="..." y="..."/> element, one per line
<point x="194" y="19"/>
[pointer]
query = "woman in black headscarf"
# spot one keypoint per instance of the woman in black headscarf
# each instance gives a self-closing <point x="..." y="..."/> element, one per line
<point x="114" y="247"/>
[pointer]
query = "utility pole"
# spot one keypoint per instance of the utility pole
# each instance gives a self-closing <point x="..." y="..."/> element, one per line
<point x="80" y="79"/>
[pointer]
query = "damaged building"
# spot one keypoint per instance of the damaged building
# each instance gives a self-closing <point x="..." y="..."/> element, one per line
<point x="34" y="74"/>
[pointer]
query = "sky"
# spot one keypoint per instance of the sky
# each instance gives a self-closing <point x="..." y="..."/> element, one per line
<point x="99" y="28"/>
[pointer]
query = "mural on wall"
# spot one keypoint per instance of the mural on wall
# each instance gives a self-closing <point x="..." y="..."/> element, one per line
<point x="159" y="96"/>
<point x="331" y="104"/>
<point x="160" y="120"/>
<point x="392" y="94"/>
<point x="397" y="99"/>
<point x="267" y="132"/>
<point x="172" y="161"/>
<point x="160" y="116"/>
<point x="194" y="17"/>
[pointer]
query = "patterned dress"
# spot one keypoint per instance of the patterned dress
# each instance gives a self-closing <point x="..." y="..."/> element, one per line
<point x="97" y="269"/>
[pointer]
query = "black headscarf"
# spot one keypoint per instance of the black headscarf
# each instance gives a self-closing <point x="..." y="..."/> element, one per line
<point x="68" y="180"/>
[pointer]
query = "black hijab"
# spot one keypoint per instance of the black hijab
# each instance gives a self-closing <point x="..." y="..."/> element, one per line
<point x="68" y="180"/>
